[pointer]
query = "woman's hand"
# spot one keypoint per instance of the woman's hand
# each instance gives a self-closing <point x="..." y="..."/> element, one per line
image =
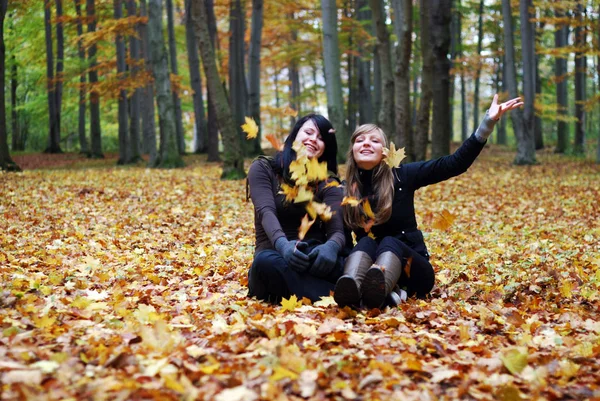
<point x="293" y="253"/>
<point x="325" y="258"/>
<point x="497" y="110"/>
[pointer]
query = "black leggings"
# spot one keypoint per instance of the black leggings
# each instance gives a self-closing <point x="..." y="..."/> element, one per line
<point x="420" y="278"/>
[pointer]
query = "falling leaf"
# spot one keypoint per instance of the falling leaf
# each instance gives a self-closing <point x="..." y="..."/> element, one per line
<point x="393" y="157"/>
<point x="275" y="142"/>
<point x="315" y="170"/>
<point x="332" y="183"/>
<point x="322" y="210"/>
<point x="407" y="266"/>
<point x="514" y="360"/>
<point x="367" y="225"/>
<point x="444" y="220"/>
<point x="290" y="112"/>
<point x="250" y="128"/>
<point x="290" y="304"/>
<point x="350" y="200"/>
<point x="367" y="209"/>
<point x="290" y="192"/>
<point x="304" y="195"/>
<point x="304" y="226"/>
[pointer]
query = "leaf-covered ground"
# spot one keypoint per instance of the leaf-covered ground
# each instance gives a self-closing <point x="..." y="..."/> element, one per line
<point x="130" y="284"/>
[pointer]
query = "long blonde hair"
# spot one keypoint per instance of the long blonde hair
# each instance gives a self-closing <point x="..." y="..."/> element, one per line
<point x="383" y="184"/>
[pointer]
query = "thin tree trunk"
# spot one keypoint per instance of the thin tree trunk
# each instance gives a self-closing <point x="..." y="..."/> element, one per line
<point x="365" y="102"/>
<point x="501" y="88"/>
<point x="537" y="122"/>
<point x="454" y="51"/>
<point x="403" y="27"/>
<point x="256" y="28"/>
<point x="175" y="71"/>
<point x="293" y="74"/>
<point x="386" y="113"/>
<point x="95" y="128"/>
<point x="14" y="83"/>
<point x="169" y="151"/>
<point x="464" y="130"/>
<point x="124" y="146"/>
<point x="351" y="68"/>
<point x="237" y="79"/>
<point x="333" y="79"/>
<point x="424" y="114"/>
<point x="200" y="135"/>
<point x="580" y="72"/>
<point x="54" y="134"/>
<point x="134" y="101"/>
<point x="213" y="125"/>
<point x="83" y="142"/>
<point x="147" y="98"/>
<point x="60" y="58"/>
<point x="478" y="68"/>
<point x="6" y="163"/>
<point x="233" y="163"/>
<point x="440" y="40"/>
<point x="598" y="73"/>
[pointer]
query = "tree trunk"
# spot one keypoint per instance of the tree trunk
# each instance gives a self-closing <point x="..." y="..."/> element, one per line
<point x="83" y="142"/>
<point x="598" y="73"/>
<point x="6" y="163"/>
<point x="213" y="125"/>
<point x="386" y="113"/>
<point x="293" y="73"/>
<point x="54" y="134"/>
<point x="365" y="105"/>
<point x="440" y="40"/>
<point x="60" y="58"/>
<point x="124" y="145"/>
<point x="254" y="70"/>
<point x="233" y="163"/>
<point x="351" y="68"/>
<point x="333" y="79"/>
<point x="175" y="71"/>
<point x="478" y="68"/>
<point x="454" y="52"/>
<point x="501" y="88"/>
<point x="169" y="155"/>
<point x="403" y="27"/>
<point x="464" y="129"/>
<point x="95" y="129"/>
<point x="424" y="114"/>
<point x="561" y="38"/>
<point x="200" y="136"/>
<point x="537" y="121"/>
<point x="134" y="101"/>
<point x="14" y="83"/>
<point x="580" y="72"/>
<point x="526" y="144"/>
<point x="237" y="79"/>
<point x="147" y="98"/>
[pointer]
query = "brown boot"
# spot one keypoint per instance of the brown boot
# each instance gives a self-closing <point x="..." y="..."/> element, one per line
<point x="347" y="288"/>
<point x="381" y="279"/>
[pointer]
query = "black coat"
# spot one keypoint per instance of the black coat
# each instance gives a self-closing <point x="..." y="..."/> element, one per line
<point x="412" y="176"/>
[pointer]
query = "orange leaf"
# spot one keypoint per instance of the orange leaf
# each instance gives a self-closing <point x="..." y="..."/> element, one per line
<point x="304" y="226"/>
<point x="275" y="142"/>
<point x="444" y="220"/>
<point x="368" y="210"/>
<point x="350" y="200"/>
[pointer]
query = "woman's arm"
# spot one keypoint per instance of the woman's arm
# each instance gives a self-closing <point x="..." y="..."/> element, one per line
<point x="332" y="197"/>
<point x="260" y="179"/>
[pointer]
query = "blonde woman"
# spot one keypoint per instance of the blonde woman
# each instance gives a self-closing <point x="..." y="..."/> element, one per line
<point x="376" y="267"/>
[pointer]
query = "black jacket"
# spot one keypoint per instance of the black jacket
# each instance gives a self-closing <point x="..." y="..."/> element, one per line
<point x="412" y="176"/>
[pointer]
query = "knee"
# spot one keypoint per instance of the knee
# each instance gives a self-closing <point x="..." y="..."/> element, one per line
<point x="391" y="244"/>
<point x="367" y="245"/>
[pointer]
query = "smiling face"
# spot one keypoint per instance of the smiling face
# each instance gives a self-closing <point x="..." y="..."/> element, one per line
<point x="367" y="149"/>
<point x="310" y="137"/>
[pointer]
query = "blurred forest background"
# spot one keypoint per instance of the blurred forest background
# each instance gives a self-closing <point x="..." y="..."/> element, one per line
<point x="128" y="76"/>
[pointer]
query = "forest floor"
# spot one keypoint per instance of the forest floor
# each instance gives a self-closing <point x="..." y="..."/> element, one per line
<point x="127" y="283"/>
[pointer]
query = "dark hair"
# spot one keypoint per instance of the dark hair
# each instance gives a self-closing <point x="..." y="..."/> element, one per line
<point x="287" y="155"/>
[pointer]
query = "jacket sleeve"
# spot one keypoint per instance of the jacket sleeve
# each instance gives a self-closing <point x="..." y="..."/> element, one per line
<point x="421" y="174"/>
<point x="332" y="197"/>
<point x="260" y="180"/>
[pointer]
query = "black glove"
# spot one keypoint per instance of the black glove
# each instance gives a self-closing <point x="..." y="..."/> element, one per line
<point x="325" y="257"/>
<point x="293" y="252"/>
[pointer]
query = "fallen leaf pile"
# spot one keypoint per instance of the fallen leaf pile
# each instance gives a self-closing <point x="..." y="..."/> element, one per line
<point x="130" y="284"/>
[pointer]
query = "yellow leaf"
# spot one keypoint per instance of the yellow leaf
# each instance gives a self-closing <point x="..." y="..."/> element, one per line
<point x="288" y="111"/>
<point x="320" y="209"/>
<point x="304" y="195"/>
<point x="304" y="226"/>
<point x="281" y="373"/>
<point x="298" y="171"/>
<point x="290" y="304"/>
<point x="172" y="383"/>
<point x="393" y="157"/>
<point x="210" y="369"/>
<point x="514" y="360"/>
<point x="350" y="200"/>
<point x="290" y="192"/>
<point x="368" y="210"/>
<point x="250" y="128"/>
<point x="332" y="183"/>
<point x="315" y="170"/>
<point x="444" y="220"/>
<point x="44" y="321"/>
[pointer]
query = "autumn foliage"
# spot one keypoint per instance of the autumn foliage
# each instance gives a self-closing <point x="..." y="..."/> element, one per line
<point x="130" y="283"/>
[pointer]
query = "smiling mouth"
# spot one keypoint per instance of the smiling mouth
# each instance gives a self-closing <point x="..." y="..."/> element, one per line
<point x="366" y="152"/>
<point x="310" y="147"/>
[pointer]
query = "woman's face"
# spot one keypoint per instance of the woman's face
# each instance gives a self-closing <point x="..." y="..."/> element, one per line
<point x="310" y="137"/>
<point x="367" y="150"/>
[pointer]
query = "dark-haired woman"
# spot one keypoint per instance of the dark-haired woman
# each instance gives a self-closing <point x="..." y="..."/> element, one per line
<point x="397" y="255"/>
<point x="283" y="265"/>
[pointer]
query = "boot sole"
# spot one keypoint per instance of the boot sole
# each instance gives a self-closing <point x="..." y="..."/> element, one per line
<point x="373" y="288"/>
<point x="346" y="292"/>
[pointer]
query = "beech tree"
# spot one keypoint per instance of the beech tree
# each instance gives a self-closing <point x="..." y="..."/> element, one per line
<point x="424" y="113"/>
<point x="580" y="75"/>
<point x="95" y="129"/>
<point x="6" y="163"/>
<point x="386" y="113"/>
<point x="365" y="101"/>
<point x="175" y="71"/>
<point x="124" y="148"/>
<point x="83" y="142"/>
<point x="134" y="100"/>
<point x="51" y="84"/>
<point x="147" y="98"/>
<point x="561" y="37"/>
<point x="256" y="29"/>
<point x="238" y="94"/>
<point x="233" y="158"/>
